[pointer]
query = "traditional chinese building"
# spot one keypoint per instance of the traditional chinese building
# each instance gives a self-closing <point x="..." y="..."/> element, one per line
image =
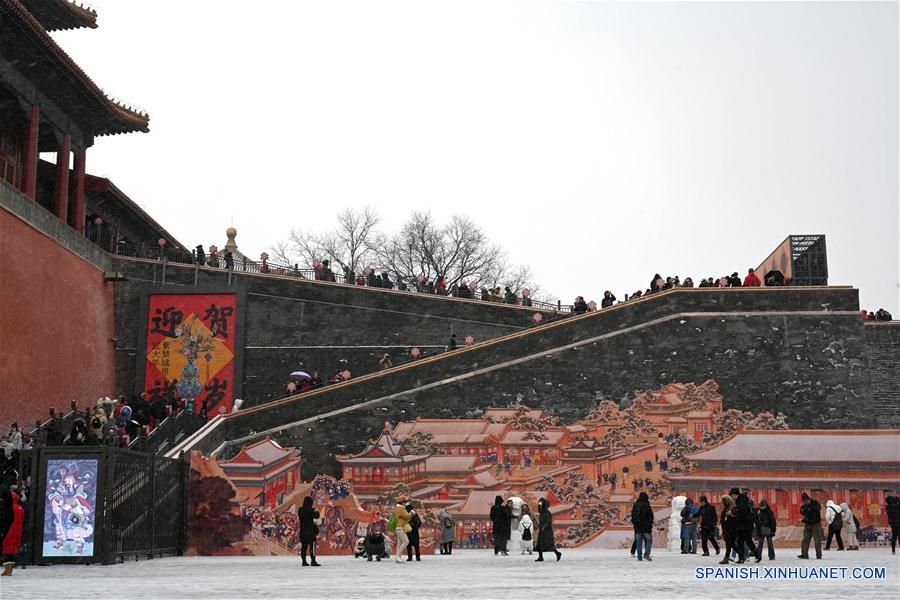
<point x="466" y="437"/>
<point x="384" y="463"/>
<point x="264" y="473"/>
<point x="858" y="467"/>
<point x="532" y="448"/>
<point x="49" y="104"/>
<point x="682" y="408"/>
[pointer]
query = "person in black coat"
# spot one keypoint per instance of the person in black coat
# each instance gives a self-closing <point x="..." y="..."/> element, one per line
<point x="642" y="521"/>
<point x="500" y="519"/>
<point x="545" y="542"/>
<point x="201" y="255"/>
<point x="892" y="508"/>
<point x="765" y="528"/>
<point x="608" y="299"/>
<point x="308" y="531"/>
<point x="415" y="522"/>
<point x="812" y="526"/>
<point x="729" y="529"/>
<point x="708" y="521"/>
<point x="744" y="524"/>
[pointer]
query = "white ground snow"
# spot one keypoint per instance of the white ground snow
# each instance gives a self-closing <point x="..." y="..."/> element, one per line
<point x="465" y="574"/>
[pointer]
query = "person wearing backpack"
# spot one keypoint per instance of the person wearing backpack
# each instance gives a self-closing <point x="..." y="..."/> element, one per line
<point x="835" y="519"/>
<point x="526" y="530"/>
<point x="448" y="531"/>
<point x="399" y="522"/>
<point x="851" y="526"/>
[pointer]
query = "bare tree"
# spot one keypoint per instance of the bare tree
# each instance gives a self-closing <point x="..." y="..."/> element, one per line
<point x="349" y="245"/>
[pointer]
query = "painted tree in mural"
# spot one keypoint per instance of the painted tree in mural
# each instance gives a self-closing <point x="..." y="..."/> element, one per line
<point x="214" y="523"/>
<point x="594" y="518"/>
<point x="390" y="497"/>
<point x="730" y="421"/>
<point x="520" y="420"/>
<point x="605" y="412"/>
<point x="422" y="442"/>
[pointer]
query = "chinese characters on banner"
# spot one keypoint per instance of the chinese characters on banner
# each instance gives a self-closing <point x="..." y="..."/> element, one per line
<point x="190" y="350"/>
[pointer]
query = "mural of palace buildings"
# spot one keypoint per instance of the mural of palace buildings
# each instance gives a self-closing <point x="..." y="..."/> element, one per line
<point x="667" y="442"/>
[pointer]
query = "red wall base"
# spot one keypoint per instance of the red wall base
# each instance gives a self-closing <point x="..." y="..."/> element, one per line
<point x="57" y="324"/>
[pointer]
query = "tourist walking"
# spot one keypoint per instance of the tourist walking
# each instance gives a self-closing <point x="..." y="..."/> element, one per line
<point x="448" y="531"/>
<point x="500" y="520"/>
<point x="402" y="528"/>
<point x="545" y="542"/>
<point x="642" y="521"/>
<point x="850" y="526"/>
<point x="744" y="523"/>
<point x="729" y="529"/>
<point x="708" y="523"/>
<point x="414" y="523"/>
<point x="765" y="528"/>
<point x="812" y="526"/>
<point x="526" y="530"/>
<point x="835" y="519"/>
<point x="308" y="531"/>
<point x="892" y="508"/>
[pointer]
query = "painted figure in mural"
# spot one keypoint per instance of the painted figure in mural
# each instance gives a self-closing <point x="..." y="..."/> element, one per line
<point x="72" y="512"/>
<point x="514" y="504"/>
<point x="675" y="522"/>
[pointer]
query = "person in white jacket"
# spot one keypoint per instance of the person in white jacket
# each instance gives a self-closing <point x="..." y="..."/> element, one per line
<point x="526" y="530"/>
<point x="835" y="519"/>
<point x="849" y="527"/>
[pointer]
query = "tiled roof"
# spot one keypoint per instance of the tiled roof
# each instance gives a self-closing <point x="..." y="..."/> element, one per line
<point x="479" y="502"/>
<point x="56" y="15"/>
<point x="818" y="446"/>
<point x="450" y="464"/>
<point x="122" y="119"/>
<point x="550" y="438"/>
<point x="263" y="452"/>
<point x="385" y="448"/>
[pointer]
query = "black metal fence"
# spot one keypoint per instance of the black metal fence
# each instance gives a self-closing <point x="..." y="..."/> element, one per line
<point x="139" y="504"/>
<point x="168" y="432"/>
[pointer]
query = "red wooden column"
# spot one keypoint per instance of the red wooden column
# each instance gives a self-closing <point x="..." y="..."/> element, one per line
<point x="61" y="204"/>
<point x="29" y="171"/>
<point x="76" y="220"/>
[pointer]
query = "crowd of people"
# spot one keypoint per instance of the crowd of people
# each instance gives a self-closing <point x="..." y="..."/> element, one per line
<point x="745" y="528"/>
<point x="879" y="315"/>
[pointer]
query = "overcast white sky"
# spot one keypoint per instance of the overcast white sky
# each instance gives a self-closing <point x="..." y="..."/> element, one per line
<point x="598" y="142"/>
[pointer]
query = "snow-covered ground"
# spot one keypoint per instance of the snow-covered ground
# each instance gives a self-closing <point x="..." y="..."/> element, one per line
<point x="465" y="574"/>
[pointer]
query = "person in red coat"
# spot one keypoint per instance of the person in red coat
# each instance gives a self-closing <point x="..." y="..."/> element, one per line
<point x="13" y="539"/>
<point x="751" y="279"/>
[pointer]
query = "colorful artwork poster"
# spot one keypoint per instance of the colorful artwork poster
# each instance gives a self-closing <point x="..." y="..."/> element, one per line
<point x="69" y="510"/>
<point x="190" y="350"/>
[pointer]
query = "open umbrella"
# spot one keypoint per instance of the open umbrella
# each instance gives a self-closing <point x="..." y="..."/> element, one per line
<point x="300" y="375"/>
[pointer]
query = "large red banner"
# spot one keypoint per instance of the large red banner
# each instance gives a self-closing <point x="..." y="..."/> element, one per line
<point x="190" y="349"/>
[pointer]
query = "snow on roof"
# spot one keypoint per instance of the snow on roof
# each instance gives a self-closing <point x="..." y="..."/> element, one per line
<point x="550" y="438"/>
<point x="386" y="447"/>
<point x="263" y="452"/>
<point x="440" y="427"/>
<point x="819" y="446"/>
<point x="498" y="414"/>
<point x="450" y="464"/>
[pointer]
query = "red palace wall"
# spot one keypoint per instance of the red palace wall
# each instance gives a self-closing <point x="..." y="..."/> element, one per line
<point x="56" y="326"/>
